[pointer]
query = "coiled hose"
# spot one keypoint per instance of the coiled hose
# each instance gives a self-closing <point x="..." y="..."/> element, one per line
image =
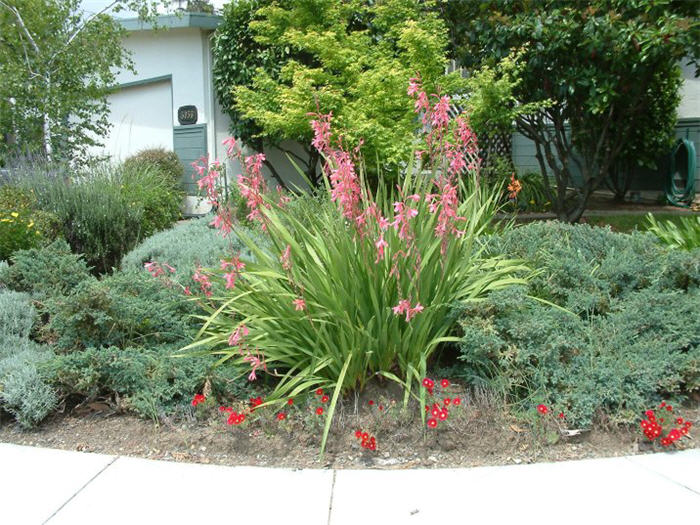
<point x="682" y="163"/>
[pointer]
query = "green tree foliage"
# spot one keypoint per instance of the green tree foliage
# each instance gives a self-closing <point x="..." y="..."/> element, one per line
<point x="353" y="58"/>
<point x="57" y="64"/>
<point x="609" y="67"/>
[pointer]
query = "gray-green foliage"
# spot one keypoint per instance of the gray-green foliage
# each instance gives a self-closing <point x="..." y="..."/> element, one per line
<point x="630" y="337"/>
<point x="17" y="314"/>
<point x="185" y="246"/>
<point x="24" y="392"/>
<point x="149" y="379"/>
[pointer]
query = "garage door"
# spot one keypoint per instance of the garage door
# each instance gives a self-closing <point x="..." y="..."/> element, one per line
<point x="141" y="117"/>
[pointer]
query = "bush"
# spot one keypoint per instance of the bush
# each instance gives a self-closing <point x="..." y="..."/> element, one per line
<point x="165" y="163"/>
<point x="17" y="314"/>
<point x="124" y="309"/>
<point x="609" y="367"/>
<point x="584" y="267"/>
<point x="23" y="390"/>
<point x="42" y="272"/>
<point x="97" y="218"/>
<point x="150" y="381"/>
<point x="156" y="194"/>
<point x="21" y="225"/>
<point x="186" y="246"/>
<point x="629" y="337"/>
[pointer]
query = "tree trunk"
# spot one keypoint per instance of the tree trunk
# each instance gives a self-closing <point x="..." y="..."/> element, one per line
<point x="48" y="150"/>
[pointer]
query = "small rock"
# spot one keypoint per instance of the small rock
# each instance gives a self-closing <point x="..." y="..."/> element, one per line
<point x="517" y="461"/>
<point x="432" y="458"/>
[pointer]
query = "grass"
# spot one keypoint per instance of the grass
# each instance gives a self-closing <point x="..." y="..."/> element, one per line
<point x="630" y="222"/>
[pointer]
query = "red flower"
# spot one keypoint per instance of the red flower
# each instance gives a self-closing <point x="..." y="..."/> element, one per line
<point x="324" y="399"/>
<point x="241" y="418"/>
<point x="319" y="392"/>
<point x="198" y="398"/>
<point x="319" y="411"/>
<point x="365" y="436"/>
<point x="435" y="412"/>
<point x="428" y="383"/>
<point x="561" y="415"/>
<point x="443" y="415"/>
<point x="456" y="401"/>
<point x="679" y="420"/>
<point x="358" y="434"/>
<point x="542" y="409"/>
<point x="649" y="414"/>
<point x="290" y="401"/>
<point x="669" y="408"/>
<point x="371" y="402"/>
<point x="281" y="416"/>
<point x="444" y="383"/>
<point x="447" y="401"/>
<point x="663" y="404"/>
<point x="432" y="422"/>
<point x="381" y="407"/>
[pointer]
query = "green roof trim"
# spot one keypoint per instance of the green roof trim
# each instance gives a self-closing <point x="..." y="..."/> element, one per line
<point x="143" y="82"/>
<point x="184" y="20"/>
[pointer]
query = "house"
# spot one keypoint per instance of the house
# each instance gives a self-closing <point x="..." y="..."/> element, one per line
<point x="169" y="100"/>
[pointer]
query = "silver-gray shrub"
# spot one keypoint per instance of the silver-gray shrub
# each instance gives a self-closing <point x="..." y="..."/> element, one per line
<point x="24" y="392"/>
<point x="17" y="314"/>
<point x="186" y="246"/>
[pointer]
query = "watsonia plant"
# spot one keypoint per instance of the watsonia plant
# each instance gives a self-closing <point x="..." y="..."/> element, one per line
<point x="361" y="283"/>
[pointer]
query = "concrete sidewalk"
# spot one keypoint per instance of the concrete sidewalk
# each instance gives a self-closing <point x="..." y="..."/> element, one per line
<point x="72" y="488"/>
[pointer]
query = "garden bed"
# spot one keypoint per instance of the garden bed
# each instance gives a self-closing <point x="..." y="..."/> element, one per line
<point x="480" y="435"/>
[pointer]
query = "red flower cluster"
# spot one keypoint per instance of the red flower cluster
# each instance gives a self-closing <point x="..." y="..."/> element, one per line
<point x="439" y="411"/>
<point x="198" y="398"/>
<point x="255" y="402"/>
<point x="281" y="416"/>
<point x="367" y="441"/>
<point x="653" y="427"/>
<point x="542" y="409"/>
<point x="234" y="418"/>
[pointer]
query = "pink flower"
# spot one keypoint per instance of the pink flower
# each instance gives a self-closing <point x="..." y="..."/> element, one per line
<point x="230" y="144"/>
<point x="299" y="304"/>
<point x="380" y="245"/>
<point x="322" y="131"/>
<point x="404" y="306"/>
<point x="237" y="336"/>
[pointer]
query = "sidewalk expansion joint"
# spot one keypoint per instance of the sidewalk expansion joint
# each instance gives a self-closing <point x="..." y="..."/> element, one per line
<point x="330" y="503"/>
<point x="80" y="490"/>
<point x="664" y="476"/>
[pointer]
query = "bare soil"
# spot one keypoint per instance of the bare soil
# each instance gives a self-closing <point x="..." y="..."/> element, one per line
<point x="478" y="433"/>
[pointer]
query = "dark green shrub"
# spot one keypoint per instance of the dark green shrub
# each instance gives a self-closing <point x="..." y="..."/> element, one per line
<point x="583" y="267"/>
<point x="17" y="314"/>
<point x="166" y="164"/>
<point x="24" y="392"/>
<point x="149" y="380"/>
<point x="124" y="309"/>
<point x="610" y="367"/>
<point x="631" y="334"/>
<point x="47" y="271"/>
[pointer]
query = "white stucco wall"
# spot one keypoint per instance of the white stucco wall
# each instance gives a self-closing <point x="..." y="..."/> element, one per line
<point x="690" y="94"/>
<point x="176" y="52"/>
<point x="140" y="117"/>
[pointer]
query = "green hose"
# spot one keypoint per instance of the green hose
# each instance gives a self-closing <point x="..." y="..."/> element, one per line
<point x="681" y="196"/>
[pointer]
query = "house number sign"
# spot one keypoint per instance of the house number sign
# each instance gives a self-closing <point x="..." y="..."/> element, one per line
<point x="187" y="115"/>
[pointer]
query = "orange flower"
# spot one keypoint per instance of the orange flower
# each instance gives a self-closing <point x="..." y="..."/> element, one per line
<point x="514" y="187"/>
